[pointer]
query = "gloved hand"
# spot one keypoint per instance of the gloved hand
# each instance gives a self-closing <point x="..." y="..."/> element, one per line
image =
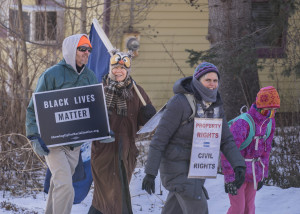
<point x="148" y="111"/>
<point x="38" y="145"/>
<point x="109" y="140"/>
<point x="149" y="184"/>
<point x="231" y="188"/>
<point x="260" y="184"/>
<point x="239" y="172"/>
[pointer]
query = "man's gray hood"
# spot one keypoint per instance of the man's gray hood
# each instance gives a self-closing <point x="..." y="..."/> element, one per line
<point x="69" y="48"/>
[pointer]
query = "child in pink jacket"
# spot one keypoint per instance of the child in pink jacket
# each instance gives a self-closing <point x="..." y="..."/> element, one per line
<point x="256" y="154"/>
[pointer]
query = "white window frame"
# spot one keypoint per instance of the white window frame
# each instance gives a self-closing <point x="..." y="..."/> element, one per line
<point x="32" y="9"/>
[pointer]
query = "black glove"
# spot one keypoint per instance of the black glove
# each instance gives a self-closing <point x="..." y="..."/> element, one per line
<point x="148" y="111"/>
<point x="38" y="145"/>
<point x="149" y="184"/>
<point x="260" y="185"/>
<point x="231" y="188"/>
<point x="239" y="172"/>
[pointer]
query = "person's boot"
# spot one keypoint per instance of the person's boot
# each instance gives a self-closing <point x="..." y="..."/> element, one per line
<point x="93" y="210"/>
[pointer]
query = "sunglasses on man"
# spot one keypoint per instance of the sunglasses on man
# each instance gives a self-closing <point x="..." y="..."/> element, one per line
<point x="84" y="49"/>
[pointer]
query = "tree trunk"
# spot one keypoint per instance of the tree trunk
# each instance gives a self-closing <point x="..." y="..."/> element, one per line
<point x="230" y="28"/>
<point x="24" y="68"/>
<point x="83" y="16"/>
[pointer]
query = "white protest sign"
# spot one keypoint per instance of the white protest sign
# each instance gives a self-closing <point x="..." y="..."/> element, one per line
<point x="205" y="148"/>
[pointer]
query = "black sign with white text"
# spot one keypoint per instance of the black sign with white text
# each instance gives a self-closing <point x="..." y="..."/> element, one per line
<point x="72" y="115"/>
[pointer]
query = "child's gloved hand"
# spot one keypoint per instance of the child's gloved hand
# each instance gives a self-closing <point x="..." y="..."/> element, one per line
<point x="231" y="188"/>
<point x="260" y="185"/>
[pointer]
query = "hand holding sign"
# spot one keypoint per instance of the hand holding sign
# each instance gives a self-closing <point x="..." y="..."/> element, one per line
<point x="109" y="140"/>
<point x="38" y="145"/>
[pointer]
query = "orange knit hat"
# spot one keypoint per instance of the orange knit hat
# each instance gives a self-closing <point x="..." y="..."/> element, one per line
<point x="84" y="40"/>
<point x="268" y="97"/>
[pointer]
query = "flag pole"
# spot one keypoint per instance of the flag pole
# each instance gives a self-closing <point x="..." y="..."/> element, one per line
<point x="109" y="47"/>
<point x="139" y="94"/>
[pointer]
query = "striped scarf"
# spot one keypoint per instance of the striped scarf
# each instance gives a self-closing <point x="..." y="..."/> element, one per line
<point x="116" y="94"/>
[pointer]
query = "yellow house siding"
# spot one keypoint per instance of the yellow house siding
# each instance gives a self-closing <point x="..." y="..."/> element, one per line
<point x="27" y="2"/>
<point x="171" y="27"/>
<point x="288" y="87"/>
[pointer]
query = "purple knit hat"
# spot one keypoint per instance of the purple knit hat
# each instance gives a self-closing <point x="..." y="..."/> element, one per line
<point x="204" y="68"/>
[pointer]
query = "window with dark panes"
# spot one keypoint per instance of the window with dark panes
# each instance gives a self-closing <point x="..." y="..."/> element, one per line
<point x="269" y="28"/>
<point x="14" y="24"/>
<point x="45" y="26"/>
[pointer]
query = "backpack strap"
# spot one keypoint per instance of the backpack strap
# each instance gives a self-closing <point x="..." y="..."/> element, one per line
<point x="251" y="123"/>
<point x="269" y="129"/>
<point x="265" y="136"/>
<point x="247" y="117"/>
<point x="191" y="99"/>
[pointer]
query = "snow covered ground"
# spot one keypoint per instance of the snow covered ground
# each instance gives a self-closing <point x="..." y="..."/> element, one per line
<point x="269" y="200"/>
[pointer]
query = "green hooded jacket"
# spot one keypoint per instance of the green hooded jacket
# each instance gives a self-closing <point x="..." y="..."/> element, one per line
<point x="59" y="76"/>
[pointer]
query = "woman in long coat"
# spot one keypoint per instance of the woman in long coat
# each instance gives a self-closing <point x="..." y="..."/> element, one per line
<point x="113" y="163"/>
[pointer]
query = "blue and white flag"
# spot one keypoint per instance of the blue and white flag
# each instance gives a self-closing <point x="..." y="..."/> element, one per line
<point x="99" y="57"/>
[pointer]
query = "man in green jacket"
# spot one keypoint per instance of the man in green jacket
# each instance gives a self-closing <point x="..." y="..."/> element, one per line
<point x="71" y="71"/>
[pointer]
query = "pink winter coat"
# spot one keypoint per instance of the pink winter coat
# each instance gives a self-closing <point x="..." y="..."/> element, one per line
<point x="240" y="130"/>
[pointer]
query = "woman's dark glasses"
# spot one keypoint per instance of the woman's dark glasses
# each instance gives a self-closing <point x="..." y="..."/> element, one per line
<point x="84" y="49"/>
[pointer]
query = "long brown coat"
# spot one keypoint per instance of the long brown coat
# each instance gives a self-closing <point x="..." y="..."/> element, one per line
<point x="107" y="196"/>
